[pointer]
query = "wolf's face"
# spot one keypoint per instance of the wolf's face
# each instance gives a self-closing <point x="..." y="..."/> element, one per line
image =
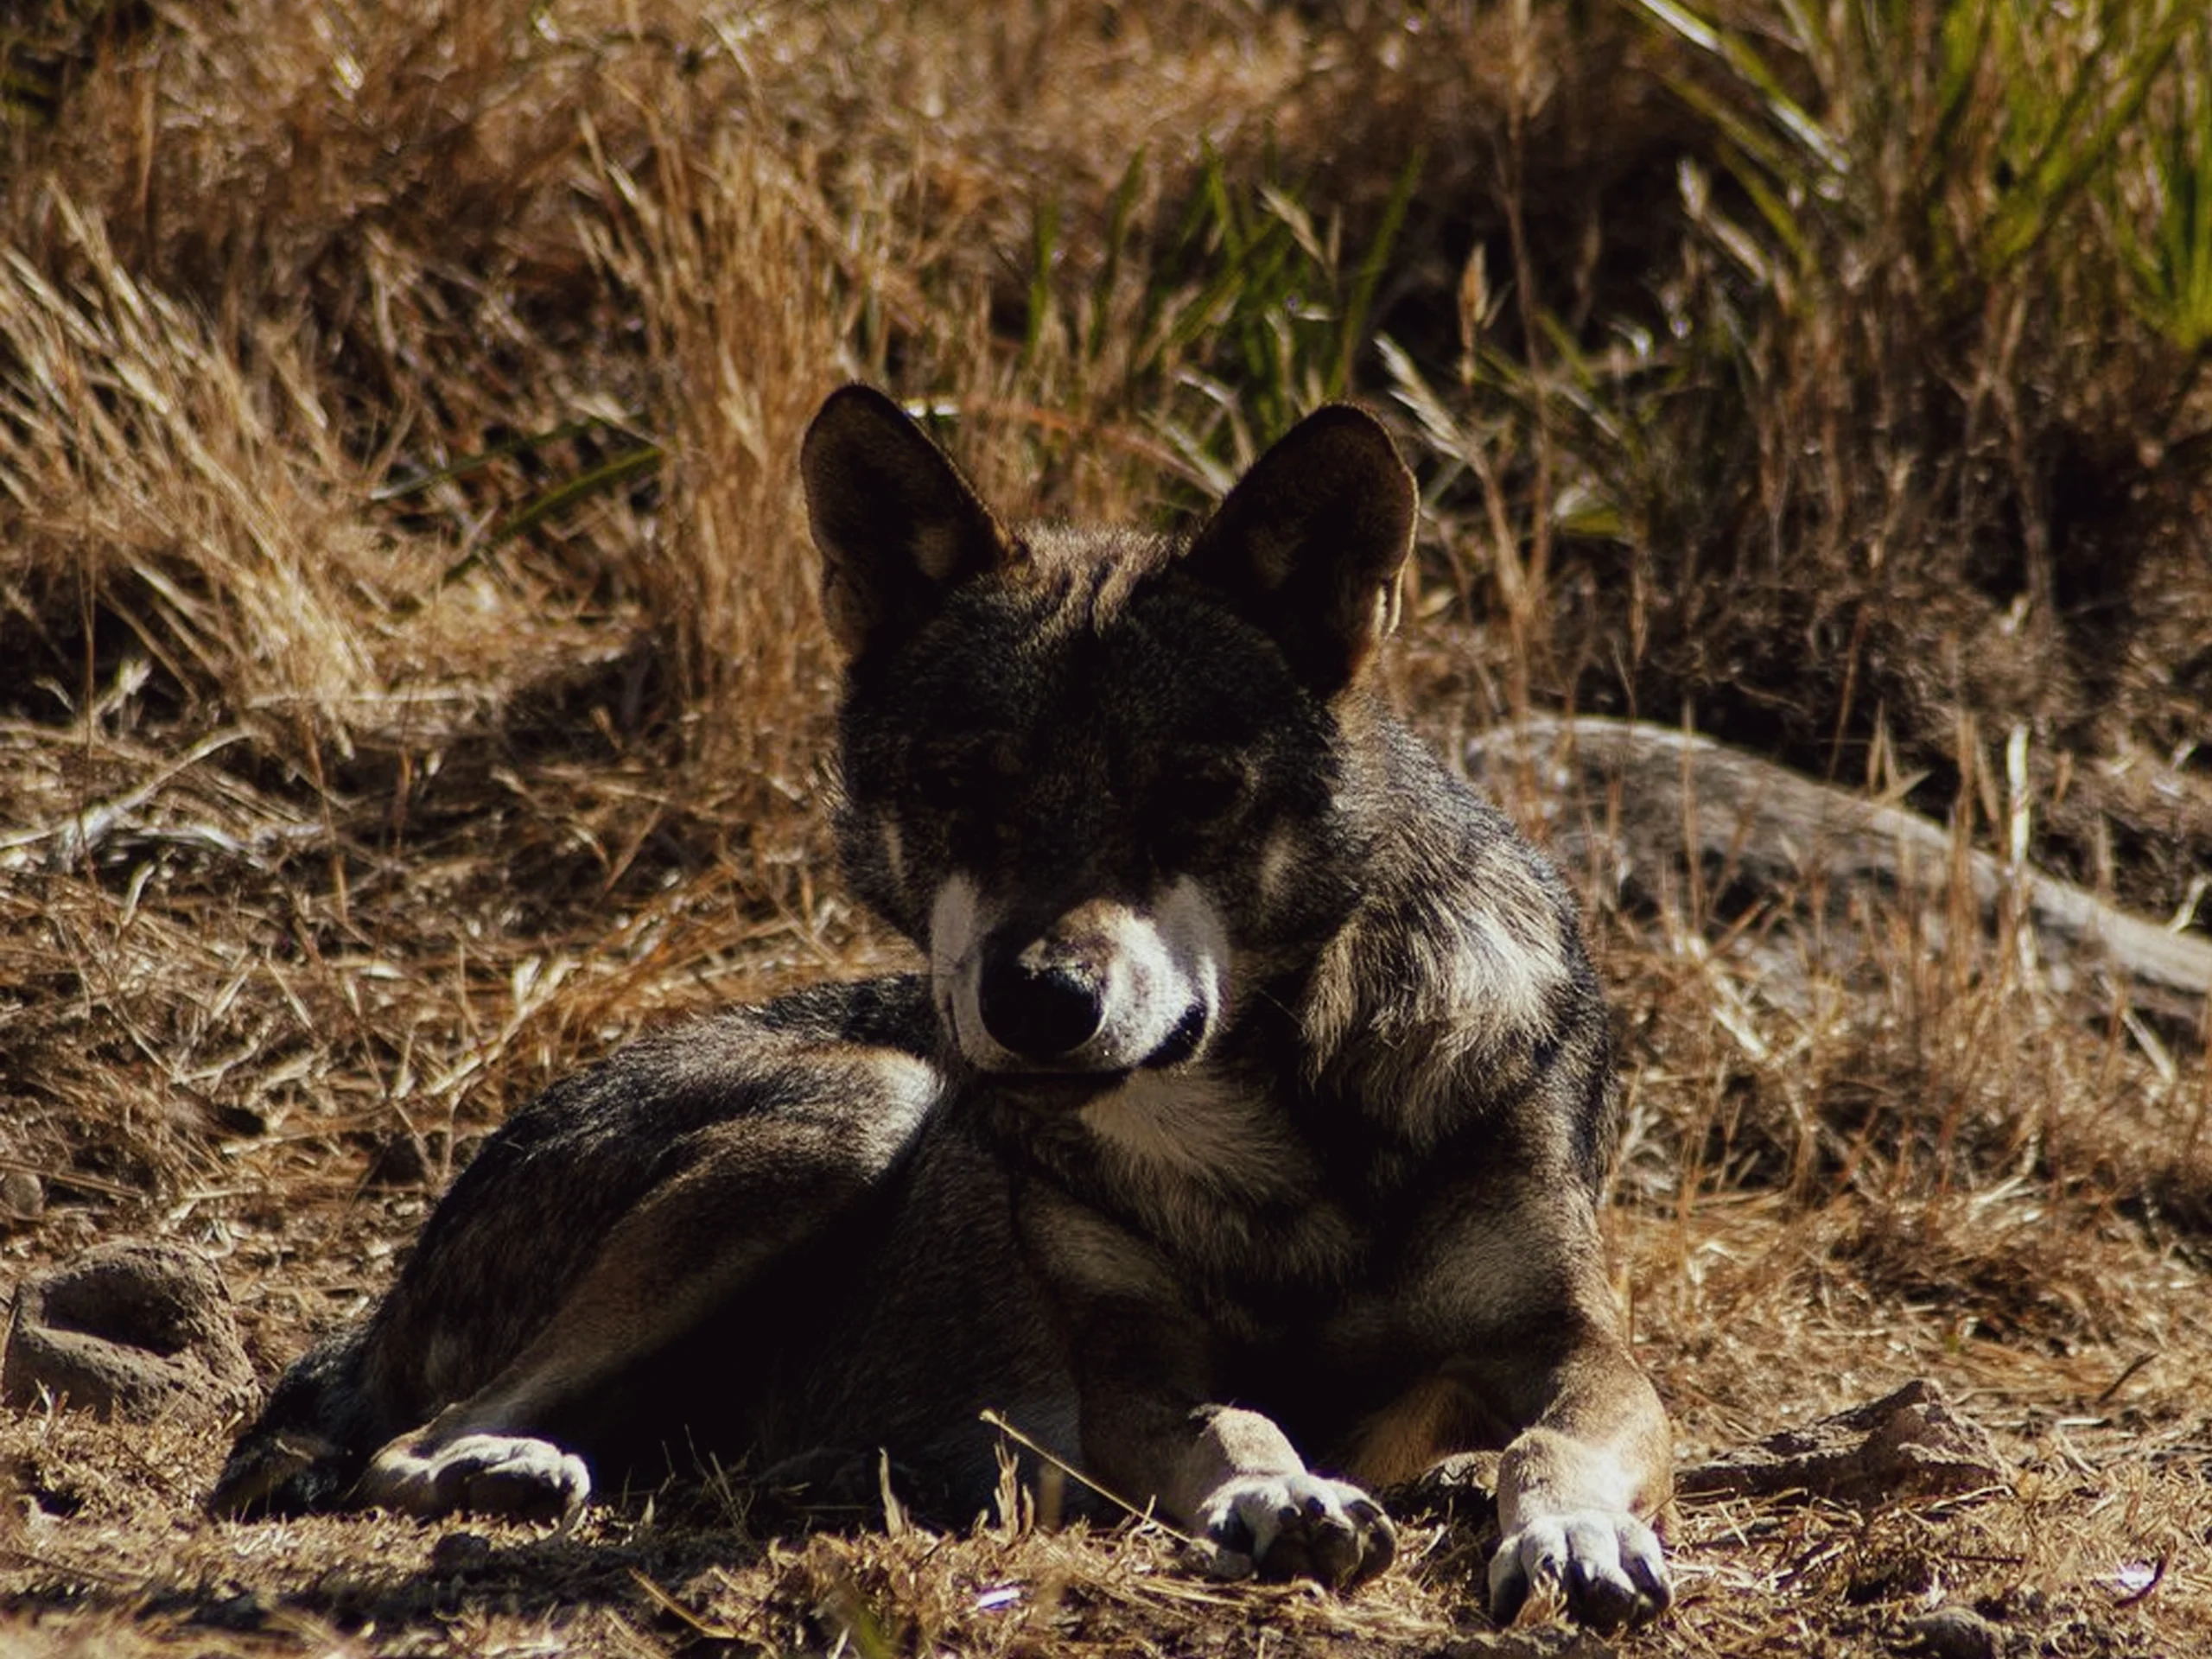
<point x="1060" y="785"/>
<point x="1092" y="773"/>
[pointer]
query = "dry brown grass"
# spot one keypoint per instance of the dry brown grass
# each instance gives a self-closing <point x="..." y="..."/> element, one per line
<point x="372" y="757"/>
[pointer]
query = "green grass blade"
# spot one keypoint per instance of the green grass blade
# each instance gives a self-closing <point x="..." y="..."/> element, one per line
<point x="598" y="481"/>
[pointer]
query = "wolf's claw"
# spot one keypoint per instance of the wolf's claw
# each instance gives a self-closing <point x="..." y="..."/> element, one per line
<point x="1606" y="1569"/>
<point x="1298" y="1526"/>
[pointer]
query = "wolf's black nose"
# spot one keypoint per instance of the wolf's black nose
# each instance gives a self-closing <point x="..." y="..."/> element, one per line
<point x="1040" y="1013"/>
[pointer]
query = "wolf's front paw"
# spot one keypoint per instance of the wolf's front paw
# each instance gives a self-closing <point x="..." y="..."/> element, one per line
<point x="1298" y="1527"/>
<point x="1605" y="1568"/>
<point x="486" y="1474"/>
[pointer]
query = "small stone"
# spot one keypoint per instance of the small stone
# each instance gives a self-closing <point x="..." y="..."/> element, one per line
<point x="22" y="1196"/>
<point x="1955" y="1633"/>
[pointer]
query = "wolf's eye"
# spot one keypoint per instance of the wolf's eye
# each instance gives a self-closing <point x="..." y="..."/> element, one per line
<point x="1199" y="790"/>
<point x="953" y="777"/>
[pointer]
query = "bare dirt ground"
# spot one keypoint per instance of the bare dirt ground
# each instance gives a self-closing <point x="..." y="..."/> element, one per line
<point x="411" y="685"/>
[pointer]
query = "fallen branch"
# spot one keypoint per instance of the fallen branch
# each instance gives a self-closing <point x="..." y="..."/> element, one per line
<point x="1644" y="793"/>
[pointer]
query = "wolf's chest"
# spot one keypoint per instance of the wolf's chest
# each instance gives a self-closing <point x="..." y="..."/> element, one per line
<point x="1214" y="1174"/>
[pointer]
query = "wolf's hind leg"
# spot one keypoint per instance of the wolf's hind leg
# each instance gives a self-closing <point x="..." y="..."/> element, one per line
<point x="745" y="1193"/>
<point x="603" y="1222"/>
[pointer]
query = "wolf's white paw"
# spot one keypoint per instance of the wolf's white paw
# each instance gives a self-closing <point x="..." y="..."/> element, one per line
<point x="487" y="1474"/>
<point x="1605" y="1568"/>
<point x="1298" y="1527"/>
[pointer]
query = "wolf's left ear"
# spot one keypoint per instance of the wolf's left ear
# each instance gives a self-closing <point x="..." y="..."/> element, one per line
<point x="896" y="524"/>
<point x="1309" y="543"/>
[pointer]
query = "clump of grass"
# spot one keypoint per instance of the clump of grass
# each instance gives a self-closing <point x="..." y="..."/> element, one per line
<point x="1219" y="335"/>
<point x="1898" y="442"/>
<point x="202" y="511"/>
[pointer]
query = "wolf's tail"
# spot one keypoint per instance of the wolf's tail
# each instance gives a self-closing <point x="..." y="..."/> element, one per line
<point x="311" y="1442"/>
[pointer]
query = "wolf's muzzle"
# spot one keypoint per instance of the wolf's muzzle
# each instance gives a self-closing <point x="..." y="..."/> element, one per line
<point x="1098" y="989"/>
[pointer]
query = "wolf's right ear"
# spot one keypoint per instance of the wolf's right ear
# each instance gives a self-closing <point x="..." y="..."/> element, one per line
<point x="895" y="522"/>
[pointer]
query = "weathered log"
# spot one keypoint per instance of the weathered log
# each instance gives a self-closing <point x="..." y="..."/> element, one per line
<point x="1640" y="797"/>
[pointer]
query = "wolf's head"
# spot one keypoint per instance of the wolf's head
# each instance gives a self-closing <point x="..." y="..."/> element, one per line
<point x="1095" y="773"/>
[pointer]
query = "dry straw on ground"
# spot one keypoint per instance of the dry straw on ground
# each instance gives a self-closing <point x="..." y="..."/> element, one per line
<point x="410" y="685"/>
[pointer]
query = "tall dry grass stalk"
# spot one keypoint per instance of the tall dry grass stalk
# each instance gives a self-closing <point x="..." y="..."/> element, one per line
<point x="203" y="507"/>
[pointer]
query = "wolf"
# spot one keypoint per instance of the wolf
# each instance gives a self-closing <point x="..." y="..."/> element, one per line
<point x="1240" y="1142"/>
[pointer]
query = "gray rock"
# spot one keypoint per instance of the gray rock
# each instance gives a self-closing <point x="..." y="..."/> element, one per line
<point x="1955" y="1633"/>
<point x="22" y="1196"/>
<point x="135" y="1328"/>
